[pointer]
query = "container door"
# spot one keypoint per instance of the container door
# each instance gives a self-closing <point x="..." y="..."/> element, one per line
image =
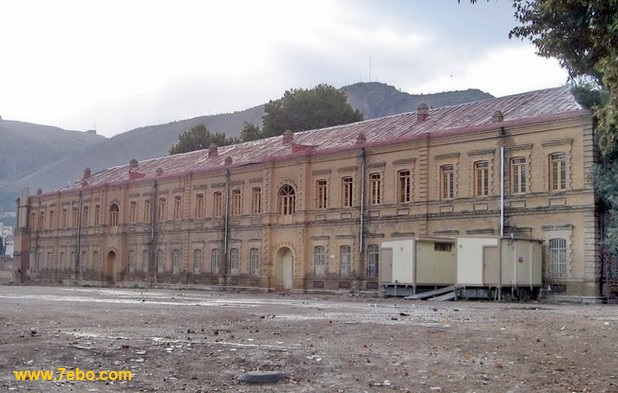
<point x="491" y="266"/>
<point x="386" y="265"/>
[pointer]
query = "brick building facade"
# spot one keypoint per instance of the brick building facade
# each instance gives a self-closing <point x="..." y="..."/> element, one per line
<point x="308" y="210"/>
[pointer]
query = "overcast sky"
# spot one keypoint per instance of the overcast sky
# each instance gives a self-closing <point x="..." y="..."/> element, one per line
<point x="115" y="65"/>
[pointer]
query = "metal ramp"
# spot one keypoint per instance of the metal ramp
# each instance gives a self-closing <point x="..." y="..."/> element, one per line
<point x="446" y="293"/>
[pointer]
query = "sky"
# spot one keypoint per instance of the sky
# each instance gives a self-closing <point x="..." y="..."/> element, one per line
<point x="115" y="65"/>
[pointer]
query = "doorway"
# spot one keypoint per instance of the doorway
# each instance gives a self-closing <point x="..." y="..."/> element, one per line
<point x="284" y="268"/>
<point x="108" y="271"/>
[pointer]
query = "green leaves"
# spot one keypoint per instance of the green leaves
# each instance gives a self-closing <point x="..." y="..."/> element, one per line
<point x="299" y="109"/>
<point x="198" y="138"/>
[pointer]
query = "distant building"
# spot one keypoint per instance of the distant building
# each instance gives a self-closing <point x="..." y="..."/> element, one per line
<point x="308" y="210"/>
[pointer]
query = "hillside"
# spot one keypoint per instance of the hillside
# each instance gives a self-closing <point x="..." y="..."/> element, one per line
<point x="48" y="157"/>
<point x="378" y="99"/>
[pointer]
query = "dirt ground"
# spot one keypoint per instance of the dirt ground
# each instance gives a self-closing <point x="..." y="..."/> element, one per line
<point x="203" y="341"/>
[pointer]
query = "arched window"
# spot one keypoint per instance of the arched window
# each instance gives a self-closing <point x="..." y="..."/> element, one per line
<point x="287" y="200"/>
<point x="177" y="207"/>
<point x="199" y="206"/>
<point x="162" y="209"/>
<point x="42" y="220"/>
<point x="113" y="215"/>
<point x="51" y="219"/>
<point x="217" y="204"/>
<point x="236" y="207"/>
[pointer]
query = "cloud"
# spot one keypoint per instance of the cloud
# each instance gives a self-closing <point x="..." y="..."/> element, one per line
<point x="125" y="64"/>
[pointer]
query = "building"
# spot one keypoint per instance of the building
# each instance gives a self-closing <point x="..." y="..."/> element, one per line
<point x="309" y="210"/>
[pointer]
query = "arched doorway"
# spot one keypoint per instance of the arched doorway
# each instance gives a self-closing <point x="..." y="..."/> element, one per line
<point x="108" y="271"/>
<point x="284" y="268"/>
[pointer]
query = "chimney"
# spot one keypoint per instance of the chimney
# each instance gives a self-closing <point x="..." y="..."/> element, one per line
<point x="288" y="137"/>
<point x="361" y="138"/>
<point x="213" y="150"/>
<point x="133" y="163"/>
<point x="87" y="173"/>
<point x="497" y="117"/>
<point x="228" y="160"/>
<point x="422" y="112"/>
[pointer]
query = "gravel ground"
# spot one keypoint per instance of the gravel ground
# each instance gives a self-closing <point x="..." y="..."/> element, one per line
<point x="204" y="341"/>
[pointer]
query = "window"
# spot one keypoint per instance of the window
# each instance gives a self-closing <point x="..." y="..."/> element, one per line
<point x="217" y="204"/>
<point x="215" y="257"/>
<point x="234" y="261"/>
<point x="160" y="261"/>
<point x="176" y="261"/>
<point x="83" y="260"/>
<point x="287" y="200"/>
<point x="131" y="261"/>
<point x="373" y="258"/>
<point x="51" y="219"/>
<point x="345" y="261"/>
<point x="557" y="258"/>
<point x="177" y="207"/>
<point x="64" y="219"/>
<point x="63" y="261"/>
<point x="197" y="261"/>
<point x="33" y="221"/>
<point x="346" y="191"/>
<point x="42" y="221"/>
<point x="375" y="184"/>
<point x="75" y="217"/>
<point x="236" y="202"/>
<point x="50" y="261"/>
<point x="481" y="178"/>
<point x="147" y="210"/>
<point x="133" y="212"/>
<point x="447" y="181"/>
<point x="557" y="172"/>
<point x="254" y="261"/>
<point x="95" y="261"/>
<point x="97" y="215"/>
<point x="162" y="212"/>
<point x="39" y="261"/>
<point x="73" y="261"/>
<point x="256" y="200"/>
<point x="85" y="213"/>
<point x="113" y="215"/>
<point x="145" y="260"/>
<point x="199" y="206"/>
<point x="321" y="191"/>
<point x="319" y="260"/>
<point x="404" y="186"/>
<point x="518" y="175"/>
<point x="442" y="246"/>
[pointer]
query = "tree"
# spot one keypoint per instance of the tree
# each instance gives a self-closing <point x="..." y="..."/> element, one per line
<point x="199" y="137"/>
<point x="250" y="132"/>
<point x="299" y="109"/>
<point x="583" y="36"/>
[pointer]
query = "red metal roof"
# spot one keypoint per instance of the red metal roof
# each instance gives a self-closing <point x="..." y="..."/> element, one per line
<point x="530" y="107"/>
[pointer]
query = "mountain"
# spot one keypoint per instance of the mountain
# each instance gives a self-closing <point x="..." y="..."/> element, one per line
<point x="375" y="99"/>
<point x="49" y="158"/>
